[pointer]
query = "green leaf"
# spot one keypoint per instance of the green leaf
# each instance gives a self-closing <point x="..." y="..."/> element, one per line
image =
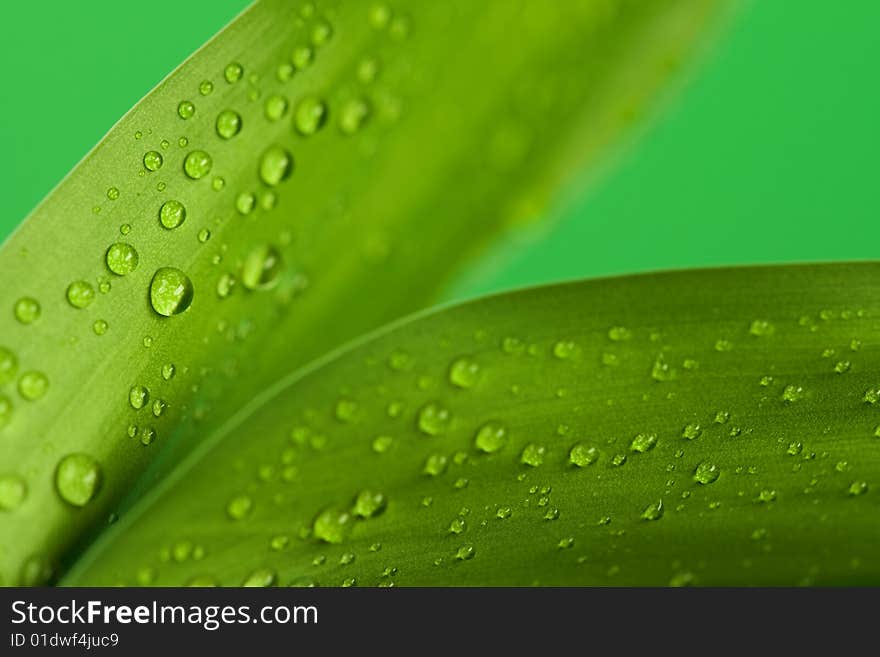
<point x="713" y="427"/>
<point x="306" y="176"/>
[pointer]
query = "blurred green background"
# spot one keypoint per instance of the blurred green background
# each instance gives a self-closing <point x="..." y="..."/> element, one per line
<point x="768" y="154"/>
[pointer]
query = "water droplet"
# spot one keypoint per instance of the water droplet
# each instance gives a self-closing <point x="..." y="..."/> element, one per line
<point x="186" y="109"/>
<point x="380" y="16"/>
<point x="551" y="514"/>
<point x="197" y="164"/>
<point x="766" y="496"/>
<point x="275" y="107"/>
<point x="77" y="479"/>
<point x="168" y="371"/>
<point x="618" y="459"/>
<point x="792" y="393"/>
<point x="138" y="397"/>
<point x="723" y="345"/>
<point x="80" y="294"/>
<point x="503" y="512"/>
<point x="367" y="70"/>
<point x="233" y="72"/>
<point x="858" y="488"/>
<point x="148" y="435"/>
<point x="311" y="113"/>
<point x="435" y="465"/>
<point x="206" y="87"/>
<point x="465" y="553"/>
<point x="369" y="504"/>
<point x="8" y="365"/>
<point x="171" y="291"/>
<point x="354" y="114"/>
<point x="228" y="124"/>
<point x="662" y="371"/>
<point x="13" y="491"/>
<point x="204" y="235"/>
<point x="533" y="455"/>
<point x="100" y="327"/>
<point x="653" y="511"/>
<point x="275" y="165"/>
<point x="331" y="526"/>
<point x="153" y="160"/>
<point x="33" y="385"/>
<point x="491" y="437"/>
<point x="381" y="444"/>
<point x="27" y="310"/>
<point x="583" y="455"/>
<point x="457" y="526"/>
<point x="706" y="473"/>
<point x="691" y="431"/>
<point x="643" y="442"/>
<point x="279" y="542"/>
<point x="619" y="333"/>
<point x="564" y="349"/>
<point x="172" y="214"/>
<point x="159" y="406"/>
<point x="218" y="183"/>
<point x="239" y="507"/>
<point x="434" y="419"/>
<point x="321" y="33"/>
<point x="245" y="203"/>
<point x="262" y="577"/>
<point x="225" y="285"/>
<point x="122" y="258"/>
<point x="302" y="57"/>
<point x="112" y="193"/>
<point x="761" y="327"/>
<point x="261" y="268"/>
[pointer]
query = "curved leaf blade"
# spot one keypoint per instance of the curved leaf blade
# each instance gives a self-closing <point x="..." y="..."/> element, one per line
<point x="634" y="425"/>
<point x="409" y="176"/>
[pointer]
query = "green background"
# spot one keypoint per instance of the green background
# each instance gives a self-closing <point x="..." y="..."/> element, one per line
<point x="768" y="154"/>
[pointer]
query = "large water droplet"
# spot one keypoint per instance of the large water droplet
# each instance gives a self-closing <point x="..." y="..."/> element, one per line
<point x="77" y="479"/>
<point x="583" y="455"/>
<point x="122" y="258"/>
<point x="275" y="165"/>
<point x="153" y="160"/>
<point x="261" y="268"/>
<point x="13" y="491"/>
<point x="171" y="291"/>
<point x="311" y="113"/>
<point x="172" y="214"/>
<point x="707" y="473"/>
<point x="228" y="124"/>
<point x="27" y="310"/>
<point x="80" y="294"/>
<point x="197" y="164"/>
<point x="138" y="397"/>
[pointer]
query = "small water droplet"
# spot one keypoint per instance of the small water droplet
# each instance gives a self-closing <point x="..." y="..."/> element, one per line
<point x="491" y="437"/>
<point x="662" y="371"/>
<point x="27" y="310"/>
<point x="260" y="578"/>
<point x="239" y="507"/>
<point x="122" y="258"/>
<point x="172" y="214"/>
<point x="80" y="294"/>
<point x="171" y="291"/>
<point x="434" y="419"/>
<point x="276" y="165"/>
<point x="138" y="397"/>
<point x="197" y="164"/>
<point x="564" y="349"/>
<point x="302" y="57"/>
<point x="8" y="365"/>
<point x="225" y="285"/>
<point x="168" y="371"/>
<point x="186" y="109"/>
<point x="206" y="87"/>
<point x="766" y="496"/>
<point x="354" y="114"/>
<point x="643" y="442"/>
<point x="792" y="393"/>
<point x="691" y="431"/>
<point x="77" y="479"/>
<point x="369" y="504"/>
<point x="100" y="326"/>
<point x="321" y="33"/>
<point x="435" y="465"/>
<point x="204" y="235"/>
<point x="13" y="491"/>
<point x="311" y="113"/>
<point x="858" y="488"/>
<point x="465" y="553"/>
<point x="653" y="511"/>
<point x="761" y="327"/>
<point x="533" y="455"/>
<point x="112" y="193"/>
<point x="33" y="385"/>
<point x="275" y="107"/>
<point x="261" y="268"/>
<point x="233" y="72"/>
<point x="331" y="526"/>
